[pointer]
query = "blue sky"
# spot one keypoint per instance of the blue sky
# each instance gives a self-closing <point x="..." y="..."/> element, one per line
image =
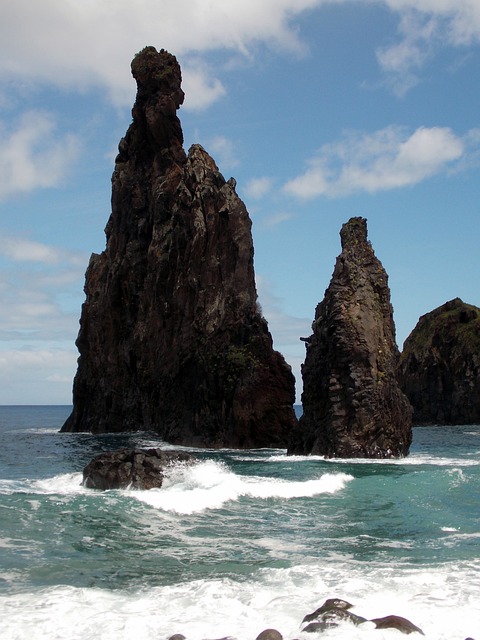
<point x="320" y="110"/>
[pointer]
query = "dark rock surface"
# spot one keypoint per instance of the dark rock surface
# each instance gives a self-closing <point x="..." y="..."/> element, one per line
<point x="171" y="337"/>
<point x="396" y="622"/>
<point x="352" y="403"/>
<point x="269" y="634"/>
<point x="440" y="365"/>
<point x="335" y="611"/>
<point x="332" y="612"/>
<point x="329" y="605"/>
<point x="132" y="468"/>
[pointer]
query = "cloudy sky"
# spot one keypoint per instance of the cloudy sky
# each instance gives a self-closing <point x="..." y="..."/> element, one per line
<point x="321" y="110"/>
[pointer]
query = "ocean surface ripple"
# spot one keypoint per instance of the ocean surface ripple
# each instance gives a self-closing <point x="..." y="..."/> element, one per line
<point x="240" y="541"/>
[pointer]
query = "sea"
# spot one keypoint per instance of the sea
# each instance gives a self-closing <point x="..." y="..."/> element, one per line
<point x="240" y="542"/>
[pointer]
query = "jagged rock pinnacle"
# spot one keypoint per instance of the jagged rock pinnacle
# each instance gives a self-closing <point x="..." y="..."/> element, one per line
<point x="171" y="338"/>
<point x="352" y="404"/>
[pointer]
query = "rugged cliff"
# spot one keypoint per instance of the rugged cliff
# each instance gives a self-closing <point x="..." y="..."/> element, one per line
<point x="171" y="338"/>
<point x="440" y="365"/>
<point x="352" y="404"/>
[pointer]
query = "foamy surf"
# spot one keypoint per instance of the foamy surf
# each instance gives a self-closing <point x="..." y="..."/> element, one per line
<point x="62" y="484"/>
<point x="211" y="484"/>
<point x="442" y="601"/>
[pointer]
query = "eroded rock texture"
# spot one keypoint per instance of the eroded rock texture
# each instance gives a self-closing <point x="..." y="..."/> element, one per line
<point x="352" y="403"/>
<point x="171" y="338"/>
<point x="440" y="365"/>
<point x="132" y="468"/>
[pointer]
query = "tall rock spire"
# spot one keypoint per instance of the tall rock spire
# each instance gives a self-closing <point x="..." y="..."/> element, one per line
<point x="171" y="338"/>
<point x="352" y="404"/>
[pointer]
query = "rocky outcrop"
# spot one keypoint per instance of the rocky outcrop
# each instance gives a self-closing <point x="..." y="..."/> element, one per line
<point x="335" y="612"/>
<point x="332" y="614"/>
<point x="352" y="403"/>
<point x="440" y="365"/>
<point x="396" y="622"/>
<point x="132" y="468"/>
<point x="269" y="634"/>
<point x="332" y="618"/>
<point x="171" y="337"/>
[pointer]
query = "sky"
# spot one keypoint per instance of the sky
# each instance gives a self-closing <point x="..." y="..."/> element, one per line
<point x="321" y="110"/>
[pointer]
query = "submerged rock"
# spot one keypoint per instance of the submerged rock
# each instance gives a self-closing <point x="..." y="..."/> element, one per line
<point x="396" y="622"/>
<point x="171" y="336"/>
<point x="335" y="611"/>
<point x="269" y="634"/>
<point x="332" y="612"/>
<point x="352" y="403"/>
<point x="332" y="618"/>
<point x="332" y="604"/>
<point x="440" y="365"/>
<point x="132" y="468"/>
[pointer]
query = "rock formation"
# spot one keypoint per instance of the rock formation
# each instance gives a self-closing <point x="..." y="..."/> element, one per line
<point x="352" y="403"/>
<point x="440" y="365"/>
<point x="132" y="468"/>
<point x="171" y="337"/>
<point x="332" y="614"/>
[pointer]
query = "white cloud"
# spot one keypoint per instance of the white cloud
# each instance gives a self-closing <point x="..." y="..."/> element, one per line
<point x="462" y="17"/>
<point x="32" y="156"/>
<point x="201" y="90"/>
<point x="39" y="321"/>
<point x="37" y="376"/>
<point x="78" y="45"/>
<point x="403" y="61"/>
<point x="277" y="218"/>
<point x="23" y="250"/>
<point x="257" y="188"/>
<point x="386" y="159"/>
<point x="224" y="151"/>
<point x="285" y="329"/>
<point x="425" y="26"/>
<point x="90" y="43"/>
<point x="36" y="299"/>
<point x="34" y="316"/>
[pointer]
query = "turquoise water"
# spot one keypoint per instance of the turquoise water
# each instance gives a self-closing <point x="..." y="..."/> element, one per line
<point x="242" y="541"/>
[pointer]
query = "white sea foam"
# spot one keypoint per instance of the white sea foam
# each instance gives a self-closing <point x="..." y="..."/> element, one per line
<point x="442" y="601"/>
<point x="411" y="460"/>
<point x="210" y="484"/>
<point x="42" y="431"/>
<point x="65" y="483"/>
<point x="285" y="458"/>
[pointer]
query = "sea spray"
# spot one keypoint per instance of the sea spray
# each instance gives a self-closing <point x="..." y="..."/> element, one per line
<point x="211" y="484"/>
<point x="391" y="537"/>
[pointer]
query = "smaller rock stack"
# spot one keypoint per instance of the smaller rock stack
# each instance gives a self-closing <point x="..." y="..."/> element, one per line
<point x="440" y="365"/>
<point x="352" y="403"/>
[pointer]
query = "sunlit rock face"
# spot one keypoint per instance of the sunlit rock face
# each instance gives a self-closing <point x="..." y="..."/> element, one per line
<point x="171" y="337"/>
<point x="352" y="403"/>
<point x="440" y="365"/>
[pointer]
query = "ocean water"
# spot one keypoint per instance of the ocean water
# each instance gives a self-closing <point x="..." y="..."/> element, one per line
<point x="241" y="541"/>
